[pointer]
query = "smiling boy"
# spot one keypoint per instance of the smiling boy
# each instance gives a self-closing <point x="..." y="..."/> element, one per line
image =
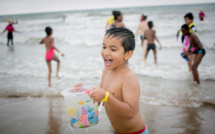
<point x="119" y="87"/>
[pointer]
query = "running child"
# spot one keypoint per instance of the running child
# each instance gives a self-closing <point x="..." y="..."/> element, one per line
<point x="119" y="87"/>
<point x="198" y="51"/>
<point x="50" y="55"/>
<point x="150" y="36"/>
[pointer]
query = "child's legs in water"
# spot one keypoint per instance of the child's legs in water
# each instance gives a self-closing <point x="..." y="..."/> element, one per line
<point x="197" y="61"/>
<point x="145" y="42"/>
<point x="155" y="55"/>
<point x="190" y="62"/>
<point x="50" y="72"/>
<point x="58" y="64"/>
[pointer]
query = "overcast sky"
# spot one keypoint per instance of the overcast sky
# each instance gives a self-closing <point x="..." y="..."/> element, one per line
<point x="35" y="6"/>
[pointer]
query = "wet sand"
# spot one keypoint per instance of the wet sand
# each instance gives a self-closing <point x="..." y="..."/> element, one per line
<point x="47" y="115"/>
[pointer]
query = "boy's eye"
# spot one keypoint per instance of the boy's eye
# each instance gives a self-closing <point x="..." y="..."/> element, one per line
<point x="104" y="47"/>
<point x="113" y="49"/>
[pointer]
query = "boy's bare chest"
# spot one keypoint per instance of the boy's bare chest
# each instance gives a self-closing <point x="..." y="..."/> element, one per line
<point x="113" y="85"/>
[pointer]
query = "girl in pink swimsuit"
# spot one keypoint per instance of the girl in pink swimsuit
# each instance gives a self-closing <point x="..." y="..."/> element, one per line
<point x="49" y="44"/>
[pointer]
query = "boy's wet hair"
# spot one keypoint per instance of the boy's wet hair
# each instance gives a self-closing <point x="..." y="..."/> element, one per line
<point x="127" y="36"/>
<point x="116" y="14"/>
<point x="189" y="15"/>
<point x="48" y="30"/>
<point x="113" y="12"/>
<point x="150" y="24"/>
<point x="143" y="17"/>
<point x="185" y="26"/>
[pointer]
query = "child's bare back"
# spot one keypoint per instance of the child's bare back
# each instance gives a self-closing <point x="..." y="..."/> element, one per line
<point x="150" y="35"/>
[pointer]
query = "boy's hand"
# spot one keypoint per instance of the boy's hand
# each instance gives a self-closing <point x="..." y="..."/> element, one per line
<point x="78" y="85"/>
<point x="62" y="54"/>
<point x="160" y="47"/>
<point x="186" y="53"/>
<point x="97" y="94"/>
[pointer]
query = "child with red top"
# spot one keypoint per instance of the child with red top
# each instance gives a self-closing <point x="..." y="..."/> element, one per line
<point x="10" y="30"/>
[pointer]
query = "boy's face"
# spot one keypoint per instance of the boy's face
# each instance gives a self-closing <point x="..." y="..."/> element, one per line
<point x="184" y="31"/>
<point x="113" y="53"/>
<point x="120" y="18"/>
<point x="188" y="21"/>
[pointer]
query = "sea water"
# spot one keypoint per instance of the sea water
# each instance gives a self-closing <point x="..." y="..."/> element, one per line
<point x="24" y="71"/>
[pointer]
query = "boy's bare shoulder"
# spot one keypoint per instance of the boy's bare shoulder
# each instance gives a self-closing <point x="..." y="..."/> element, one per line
<point x="129" y="75"/>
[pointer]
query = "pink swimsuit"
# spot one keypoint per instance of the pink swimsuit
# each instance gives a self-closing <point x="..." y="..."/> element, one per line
<point x="50" y="53"/>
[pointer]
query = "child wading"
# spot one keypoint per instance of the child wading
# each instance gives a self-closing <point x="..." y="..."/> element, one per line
<point x="50" y="55"/>
<point x="119" y="88"/>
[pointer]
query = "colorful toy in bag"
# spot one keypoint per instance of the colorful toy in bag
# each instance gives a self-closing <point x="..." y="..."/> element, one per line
<point x="81" y="109"/>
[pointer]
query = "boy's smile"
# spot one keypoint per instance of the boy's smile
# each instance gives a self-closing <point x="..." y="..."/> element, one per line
<point x="113" y="52"/>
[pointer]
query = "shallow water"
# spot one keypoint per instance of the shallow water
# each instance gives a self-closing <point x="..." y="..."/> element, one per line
<point x="23" y="69"/>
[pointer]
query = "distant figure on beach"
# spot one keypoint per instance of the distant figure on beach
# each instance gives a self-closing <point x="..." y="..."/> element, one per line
<point x="64" y="17"/>
<point x="198" y="51"/>
<point x="201" y="15"/>
<point x="110" y="20"/>
<point x="50" y="55"/>
<point x="118" y="17"/>
<point x="184" y="40"/>
<point x="10" y="30"/>
<point x="119" y="88"/>
<point x="150" y="36"/>
<point x="142" y="27"/>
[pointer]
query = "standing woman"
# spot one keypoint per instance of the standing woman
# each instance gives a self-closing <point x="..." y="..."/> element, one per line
<point x="49" y="44"/>
<point x="10" y="30"/>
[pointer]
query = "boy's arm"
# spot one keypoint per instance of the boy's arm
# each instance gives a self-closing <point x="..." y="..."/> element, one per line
<point x="195" y="41"/>
<point x="42" y="41"/>
<point x="130" y="94"/>
<point x="52" y="42"/>
<point x="157" y="40"/>
<point x="138" y="28"/>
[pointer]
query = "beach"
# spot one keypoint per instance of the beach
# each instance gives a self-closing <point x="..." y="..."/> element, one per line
<point x="170" y="102"/>
<point x="48" y="115"/>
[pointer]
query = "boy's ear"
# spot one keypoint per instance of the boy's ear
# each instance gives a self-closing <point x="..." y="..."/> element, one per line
<point x="128" y="55"/>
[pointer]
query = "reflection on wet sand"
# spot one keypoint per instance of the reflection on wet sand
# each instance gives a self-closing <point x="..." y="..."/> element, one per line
<point x="54" y="116"/>
<point x="10" y="48"/>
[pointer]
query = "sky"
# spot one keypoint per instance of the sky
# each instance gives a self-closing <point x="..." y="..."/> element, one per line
<point x="8" y="7"/>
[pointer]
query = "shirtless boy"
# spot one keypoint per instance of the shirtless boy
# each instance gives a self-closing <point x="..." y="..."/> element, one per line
<point x="142" y="27"/>
<point x="198" y="51"/>
<point x="150" y="35"/>
<point x="119" y="87"/>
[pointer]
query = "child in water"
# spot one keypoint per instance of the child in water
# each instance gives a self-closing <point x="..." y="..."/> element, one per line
<point x="199" y="51"/>
<point x="50" y="55"/>
<point x="118" y="17"/>
<point x="119" y="88"/>
<point x="10" y="30"/>
<point x="150" y="36"/>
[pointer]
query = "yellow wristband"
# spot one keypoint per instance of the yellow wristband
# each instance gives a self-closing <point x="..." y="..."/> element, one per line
<point x="60" y="53"/>
<point x="106" y="97"/>
<point x="187" y="50"/>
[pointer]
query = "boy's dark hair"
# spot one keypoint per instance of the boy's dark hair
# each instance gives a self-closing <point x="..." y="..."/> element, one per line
<point x="127" y="36"/>
<point x="150" y="24"/>
<point x="113" y="12"/>
<point x="185" y="26"/>
<point x="116" y="14"/>
<point x="189" y="15"/>
<point x="144" y="17"/>
<point x="48" y="30"/>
